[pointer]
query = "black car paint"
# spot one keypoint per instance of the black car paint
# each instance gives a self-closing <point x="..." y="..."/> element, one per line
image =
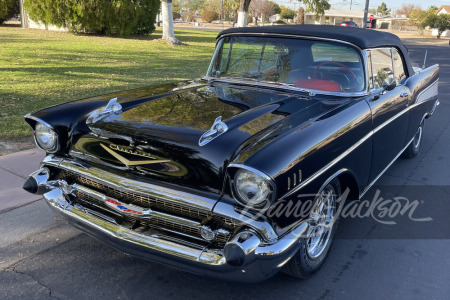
<point x="277" y="132"/>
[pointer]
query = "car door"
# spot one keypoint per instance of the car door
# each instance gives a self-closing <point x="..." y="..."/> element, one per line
<point x="389" y="110"/>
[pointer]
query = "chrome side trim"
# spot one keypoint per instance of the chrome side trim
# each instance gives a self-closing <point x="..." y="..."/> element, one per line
<point x="428" y="92"/>
<point x="328" y="166"/>
<point x="385" y="169"/>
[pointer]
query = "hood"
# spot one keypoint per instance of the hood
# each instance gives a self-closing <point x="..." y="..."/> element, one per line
<point x="158" y="137"/>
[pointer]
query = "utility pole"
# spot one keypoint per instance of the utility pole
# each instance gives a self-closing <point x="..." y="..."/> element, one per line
<point x="351" y="4"/>
<point x="366" y="12"/>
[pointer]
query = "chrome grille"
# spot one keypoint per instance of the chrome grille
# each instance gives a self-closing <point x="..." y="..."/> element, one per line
<point x="143" y="201"/>
<point x="155" y="204"/>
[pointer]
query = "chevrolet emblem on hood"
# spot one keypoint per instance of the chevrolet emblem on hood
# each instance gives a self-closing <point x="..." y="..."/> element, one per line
<point x="127" y="162"/>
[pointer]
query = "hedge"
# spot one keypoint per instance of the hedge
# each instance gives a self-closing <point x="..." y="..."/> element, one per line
<point x="109" y="17"/>
<point x="8" y="9"/>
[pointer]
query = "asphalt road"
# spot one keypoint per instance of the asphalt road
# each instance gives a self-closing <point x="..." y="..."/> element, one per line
<point x="42" y="257"/>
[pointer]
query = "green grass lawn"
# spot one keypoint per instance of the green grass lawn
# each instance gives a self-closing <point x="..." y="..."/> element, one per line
<point x="40" y="68"/>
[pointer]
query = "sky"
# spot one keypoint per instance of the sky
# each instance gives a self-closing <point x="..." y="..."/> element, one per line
<point x="359" y="4"/>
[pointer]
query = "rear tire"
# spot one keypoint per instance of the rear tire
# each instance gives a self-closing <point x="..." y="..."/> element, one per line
<point x="315" y="247"/>
<point x="414" y="147"/>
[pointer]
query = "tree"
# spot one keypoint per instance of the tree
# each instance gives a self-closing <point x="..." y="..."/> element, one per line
<point x="264" y="8"/>
<point x="417" y="17"/>
<point x="287" y="13"/>
<point x="433" y="8"/>
<point x="167" y="18"/>
<point x="383" y="10"/>
<point x="301" y="16"/>
<point x="406" y="9"/>
<point x="318" y="7"/>
<point x="8" y="9"/>
<point x="243" y="13"/>
<point x="440" y="22"/>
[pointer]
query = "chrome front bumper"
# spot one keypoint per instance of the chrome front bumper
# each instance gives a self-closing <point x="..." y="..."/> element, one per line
<point x="245" y="257"/>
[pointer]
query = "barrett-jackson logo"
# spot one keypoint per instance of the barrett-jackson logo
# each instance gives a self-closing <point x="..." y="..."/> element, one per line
<point x="114" y="149"/>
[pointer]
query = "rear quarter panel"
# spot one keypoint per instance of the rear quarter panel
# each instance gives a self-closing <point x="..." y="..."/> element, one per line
<point x="423" y="87"/>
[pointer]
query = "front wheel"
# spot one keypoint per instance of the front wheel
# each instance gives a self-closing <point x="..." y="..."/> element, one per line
<point x="314" y="248"/>
<point x="414" y="148"/>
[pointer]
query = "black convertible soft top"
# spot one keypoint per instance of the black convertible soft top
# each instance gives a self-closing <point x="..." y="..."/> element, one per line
<point x="363" y="38"/>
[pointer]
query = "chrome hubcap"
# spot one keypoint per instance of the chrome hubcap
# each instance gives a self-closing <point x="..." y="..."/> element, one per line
<point x="321" y="220"/>
<point x="417" y="138"/>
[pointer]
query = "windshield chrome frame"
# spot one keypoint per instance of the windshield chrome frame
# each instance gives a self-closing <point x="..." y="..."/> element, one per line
<point x="360" y="51"/>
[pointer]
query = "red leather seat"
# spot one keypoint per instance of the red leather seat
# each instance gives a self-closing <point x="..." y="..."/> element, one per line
<point x="317" y="84"/>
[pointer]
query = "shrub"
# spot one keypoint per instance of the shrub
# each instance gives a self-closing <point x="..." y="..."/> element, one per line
<point x="8" y="9"/>
<point x="118" y="17"/>
<point x="209" y="16"/>
<point x="280" y="22"/>
<point x="176" y="15"/>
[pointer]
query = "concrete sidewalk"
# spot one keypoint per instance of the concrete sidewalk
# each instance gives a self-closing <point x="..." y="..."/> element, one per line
<point x="14" y="169"/>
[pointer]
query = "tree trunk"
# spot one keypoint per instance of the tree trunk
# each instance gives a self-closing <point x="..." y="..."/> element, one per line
<point x="301" y="16"/>
<point x="243" y="13"/>
<point x="167" y="18"/>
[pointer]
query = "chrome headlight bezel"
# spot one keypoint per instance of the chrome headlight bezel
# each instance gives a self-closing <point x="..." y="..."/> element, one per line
<point x="239" y="170"/>
<point x="52" y="144"/>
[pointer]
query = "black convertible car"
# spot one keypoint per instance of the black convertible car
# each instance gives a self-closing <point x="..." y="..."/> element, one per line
<point x="239" y="174"/>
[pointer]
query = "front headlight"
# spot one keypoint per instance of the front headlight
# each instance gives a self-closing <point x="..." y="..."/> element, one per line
<point x="46" y="138"/>
<point x="252" y="188"/>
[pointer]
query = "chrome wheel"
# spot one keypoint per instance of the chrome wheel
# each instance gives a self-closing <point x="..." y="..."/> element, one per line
<point x="417" y="138"/>
<point x="321" y="221"/>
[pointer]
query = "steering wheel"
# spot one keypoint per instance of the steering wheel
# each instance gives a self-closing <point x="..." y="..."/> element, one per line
<point x="342" y="66"/>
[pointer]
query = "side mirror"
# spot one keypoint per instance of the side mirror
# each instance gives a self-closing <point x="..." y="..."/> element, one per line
<point x="389" y="84"/>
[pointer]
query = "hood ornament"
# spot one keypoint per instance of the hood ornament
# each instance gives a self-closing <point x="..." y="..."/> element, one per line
<point x="217" y="129"/>
<point x="111" y="107"/>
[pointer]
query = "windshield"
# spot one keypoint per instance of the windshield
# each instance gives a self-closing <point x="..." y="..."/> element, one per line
<point x="309" y="64"/>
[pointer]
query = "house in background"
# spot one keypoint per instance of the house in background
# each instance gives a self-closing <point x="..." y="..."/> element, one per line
<point x="444" y="9"/>
<point x="335" y="16"/>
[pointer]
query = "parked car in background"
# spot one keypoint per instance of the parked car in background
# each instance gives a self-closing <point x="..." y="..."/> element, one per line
<point x="238" y="175"/>
<point x="349" y="24"/>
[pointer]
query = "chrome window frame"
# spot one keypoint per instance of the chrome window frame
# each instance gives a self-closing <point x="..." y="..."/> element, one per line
<point x="391" y="50"/>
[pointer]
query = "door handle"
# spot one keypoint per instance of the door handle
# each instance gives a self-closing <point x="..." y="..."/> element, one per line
<point x="403" y="95"/>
